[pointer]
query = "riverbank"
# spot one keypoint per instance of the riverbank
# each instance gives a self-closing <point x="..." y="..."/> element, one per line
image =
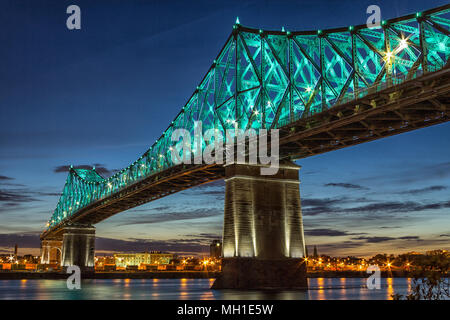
<point x="17" y="275"/>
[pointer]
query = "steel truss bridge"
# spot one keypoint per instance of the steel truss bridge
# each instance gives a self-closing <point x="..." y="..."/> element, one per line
<point x="324" y="90"/>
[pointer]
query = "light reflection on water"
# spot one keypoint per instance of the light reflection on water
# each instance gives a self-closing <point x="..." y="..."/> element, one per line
<point x="196" y="289"/>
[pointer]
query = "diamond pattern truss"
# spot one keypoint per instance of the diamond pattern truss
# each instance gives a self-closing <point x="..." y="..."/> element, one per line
<point x="269" y="79"/>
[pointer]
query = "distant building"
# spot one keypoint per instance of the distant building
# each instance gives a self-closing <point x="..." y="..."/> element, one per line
<point x="436" y="252"/>
<point x="136" y="259"/>
<point x="215" y="249"/>
<point x="413" y="253"/>
<point x="16" y="249"/>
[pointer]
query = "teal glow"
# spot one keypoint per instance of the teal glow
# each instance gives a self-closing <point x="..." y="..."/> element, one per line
<point x="264" y="79"/>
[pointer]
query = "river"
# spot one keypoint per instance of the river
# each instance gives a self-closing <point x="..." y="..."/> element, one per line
<point x="196" y="289"/>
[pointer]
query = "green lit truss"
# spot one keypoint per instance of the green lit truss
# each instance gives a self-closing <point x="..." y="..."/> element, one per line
<point x="266" y="79"/>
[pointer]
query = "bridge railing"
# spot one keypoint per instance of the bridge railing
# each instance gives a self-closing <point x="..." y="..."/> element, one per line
<point x="389" y="82"/>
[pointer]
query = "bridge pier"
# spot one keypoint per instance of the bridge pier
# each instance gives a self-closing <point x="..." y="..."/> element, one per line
<point x="78" y="247"/>
<point x="263" y="243"/>
<point x="51" y="251"/>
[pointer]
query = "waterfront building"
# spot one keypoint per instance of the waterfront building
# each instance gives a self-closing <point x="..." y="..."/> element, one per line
<point x="124" y="260"/>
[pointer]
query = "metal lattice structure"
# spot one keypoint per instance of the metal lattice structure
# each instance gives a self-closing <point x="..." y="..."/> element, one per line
<point x="270" y="79"/>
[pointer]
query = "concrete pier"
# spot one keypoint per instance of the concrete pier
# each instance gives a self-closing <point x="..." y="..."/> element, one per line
<point x="78" y="247"/>
<point x="51" y="251"/>
<point x="263" y="242"/>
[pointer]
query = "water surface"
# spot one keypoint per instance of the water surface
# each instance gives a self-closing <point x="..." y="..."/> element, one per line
<point x="195" y="289"/>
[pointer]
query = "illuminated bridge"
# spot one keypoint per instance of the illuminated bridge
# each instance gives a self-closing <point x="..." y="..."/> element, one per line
<point x="323" y="89"/>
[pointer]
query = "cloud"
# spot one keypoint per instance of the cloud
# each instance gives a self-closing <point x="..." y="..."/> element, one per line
<point x="316" y="206"/>
<point x="23" y="240"/>
<point x="313" y="207"/>
<point x="316" y="202"/>
<point x="214" y="184"/>
<point x="346" y="185"/>
<point x="384" y="239"/>
<point x="215" y="188"/>
<point x="100" y="168"/>
<point x="141" y="245"/>
<point x="397" y="207"/>
<point x="18" y="196"/>
<point x="205" y="236"/>
<point x="15" y="196"/>
<point x="328" y="232"/>
<point x="168" y="216"/>
<point x="410" y="175"/>
<point x="423" y="190"/>
<point x="5" y="181"/>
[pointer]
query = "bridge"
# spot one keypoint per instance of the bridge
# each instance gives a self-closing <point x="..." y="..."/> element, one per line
<point x="323" y="89"/>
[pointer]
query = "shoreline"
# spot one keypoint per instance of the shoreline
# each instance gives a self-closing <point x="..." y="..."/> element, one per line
<point x="15" y="275"/>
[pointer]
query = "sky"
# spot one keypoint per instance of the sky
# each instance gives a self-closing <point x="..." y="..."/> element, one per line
<point x="103" y="94"/>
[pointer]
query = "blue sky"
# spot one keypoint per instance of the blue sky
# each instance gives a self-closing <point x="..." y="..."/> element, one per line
<point x="101" y="95"/>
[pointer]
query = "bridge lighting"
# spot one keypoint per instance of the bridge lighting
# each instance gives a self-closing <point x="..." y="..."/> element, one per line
<point x="403" y="44"/>
<point x="256" y="112"/>
<point x="282" y="29"/>
<point x="109" y="184"/>
<point x="237" y="20"/>
<point x="308" y="89"/>
<point x="388" y="55"/>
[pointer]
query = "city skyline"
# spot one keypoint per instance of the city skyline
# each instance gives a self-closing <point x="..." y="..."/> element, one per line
<point x="71" y="96"/>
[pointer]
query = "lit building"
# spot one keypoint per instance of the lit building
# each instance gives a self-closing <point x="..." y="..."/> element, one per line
<point x="136" y="259"/>
<point x="215" y="249"/>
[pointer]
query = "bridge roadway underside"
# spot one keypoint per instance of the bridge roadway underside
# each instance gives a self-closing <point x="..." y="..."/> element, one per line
<point x="414" y="104"/>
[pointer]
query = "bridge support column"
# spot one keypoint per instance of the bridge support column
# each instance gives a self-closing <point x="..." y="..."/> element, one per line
<point x="263" y="243"/>
<point x="78" y="247"/>
<point x="51" y="251"/>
